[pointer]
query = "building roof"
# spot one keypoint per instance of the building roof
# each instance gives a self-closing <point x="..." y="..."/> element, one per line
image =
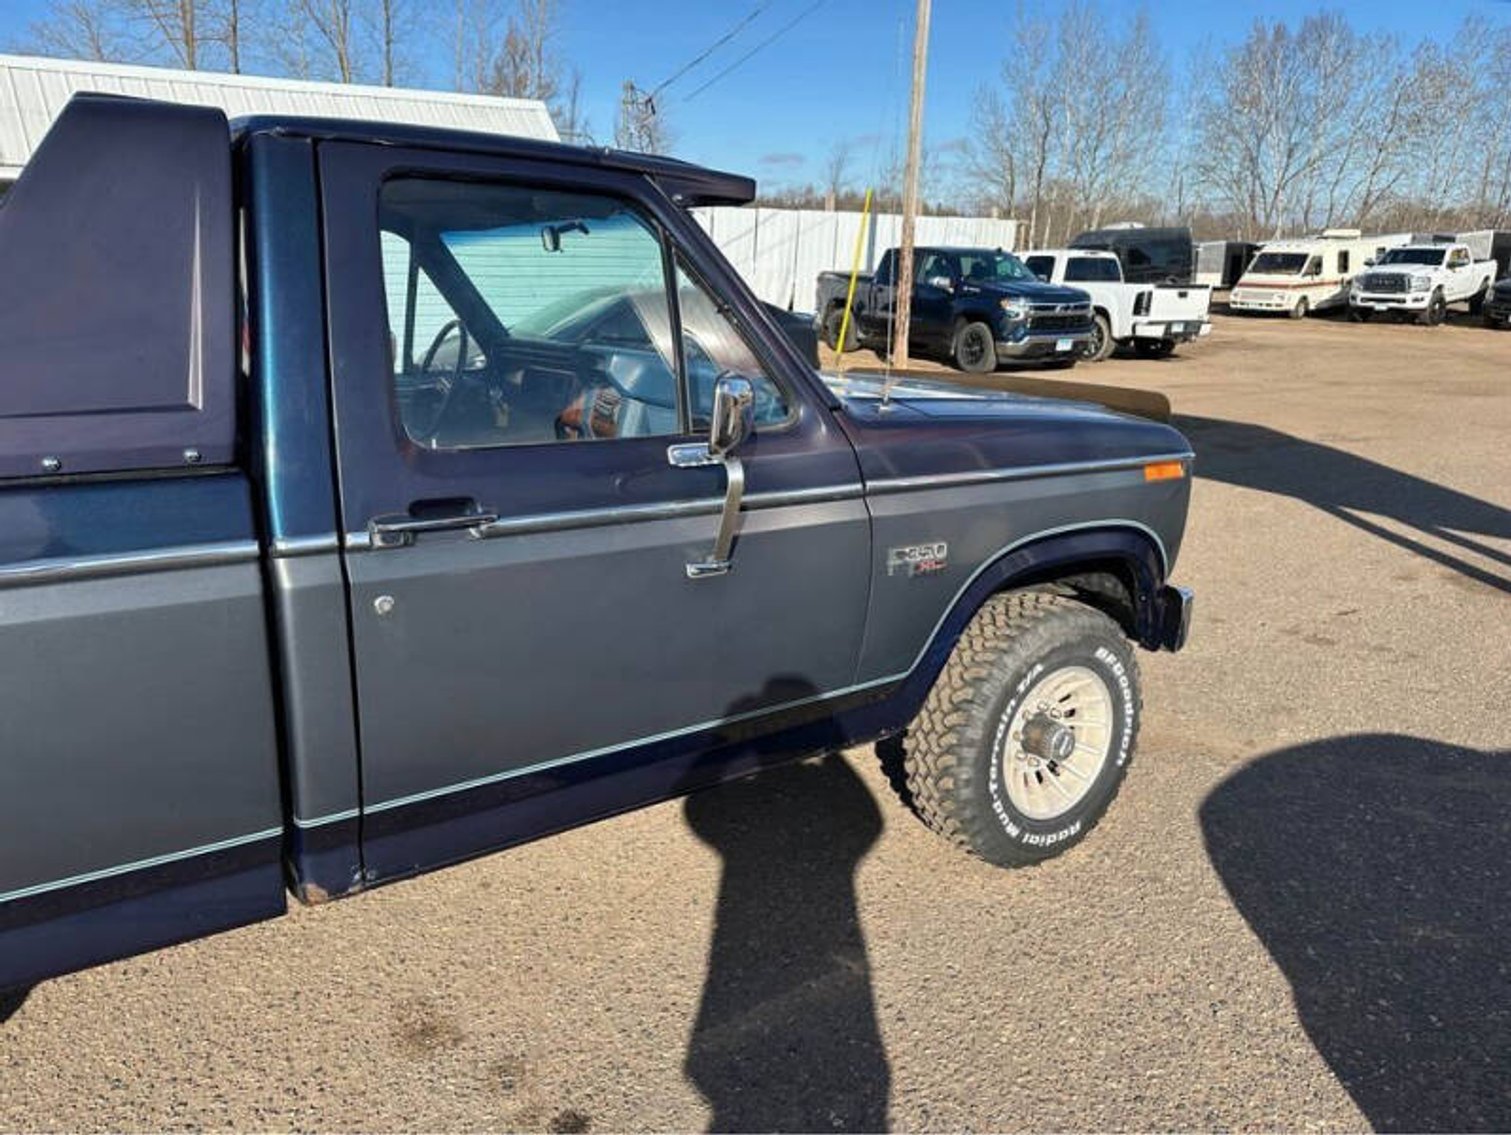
<point x="33" y="91"/>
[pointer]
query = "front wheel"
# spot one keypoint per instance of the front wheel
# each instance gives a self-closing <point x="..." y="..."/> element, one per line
<point x="1359" y="314"/>
<point x="1303" y="305"/>
<point x="975" y="349"/>
<point x="1436" y="310"/>
<point x="1100" y="345"/>
<point x="1025" y="738"/>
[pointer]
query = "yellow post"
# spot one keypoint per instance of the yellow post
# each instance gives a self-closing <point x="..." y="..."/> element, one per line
<point x="844" y="323"/>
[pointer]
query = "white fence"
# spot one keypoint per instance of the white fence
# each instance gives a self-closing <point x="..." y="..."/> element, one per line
<point x="780" y="252"/>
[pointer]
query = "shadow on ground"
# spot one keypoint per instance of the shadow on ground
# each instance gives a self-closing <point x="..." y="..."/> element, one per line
<point x="1377" y="872"/>
<point x="1347" y="486"/>
<point x="11" y="1001"/>
<point x="786" y="1037"/>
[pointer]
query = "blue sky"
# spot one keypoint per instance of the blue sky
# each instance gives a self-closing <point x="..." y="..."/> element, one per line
<point x="843" y="67"/>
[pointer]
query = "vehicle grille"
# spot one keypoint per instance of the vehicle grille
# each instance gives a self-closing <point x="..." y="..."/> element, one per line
<point x="1384" y="282"/>
<point x="1059" y="317"/>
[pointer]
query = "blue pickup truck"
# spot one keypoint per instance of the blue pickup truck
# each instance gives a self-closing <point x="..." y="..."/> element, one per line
<point x="374" y="497"/>
<point x="976" y="307"/>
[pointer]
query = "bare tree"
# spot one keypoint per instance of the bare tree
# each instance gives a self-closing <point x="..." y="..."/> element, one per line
<point x="836" y="170"/>
<point x="82" y="29"/>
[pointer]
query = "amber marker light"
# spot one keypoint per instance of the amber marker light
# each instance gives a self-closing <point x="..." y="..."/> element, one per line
<point x="1165" y="471"/>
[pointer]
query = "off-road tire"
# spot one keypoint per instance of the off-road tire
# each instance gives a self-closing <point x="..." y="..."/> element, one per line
<point x="833" y="320"/>
<point x="1436" y="310"/>
<point x="1302" y="308"/>
<point x="974" y="348"/>
<point x="951" y="750"/>
<point x="1101" y="344"/>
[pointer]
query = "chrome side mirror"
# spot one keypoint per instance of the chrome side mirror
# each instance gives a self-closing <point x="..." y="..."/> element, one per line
<point x="943" y="283"/>
<point x="733" y="416"/>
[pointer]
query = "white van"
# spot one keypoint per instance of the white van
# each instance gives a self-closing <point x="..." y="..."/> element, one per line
<point x="1308" y="274"/>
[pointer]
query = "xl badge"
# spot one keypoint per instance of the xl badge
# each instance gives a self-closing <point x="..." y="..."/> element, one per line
<point x="918" y="559"/>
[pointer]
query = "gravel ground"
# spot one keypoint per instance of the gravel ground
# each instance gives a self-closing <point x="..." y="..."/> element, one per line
<point x="1294" y="917"/>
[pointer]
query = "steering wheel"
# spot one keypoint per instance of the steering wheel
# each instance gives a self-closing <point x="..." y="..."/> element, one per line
<point x="449" y="383"/>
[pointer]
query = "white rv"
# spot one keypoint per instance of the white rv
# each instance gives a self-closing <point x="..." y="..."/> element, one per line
<point x="1307" y="274"/>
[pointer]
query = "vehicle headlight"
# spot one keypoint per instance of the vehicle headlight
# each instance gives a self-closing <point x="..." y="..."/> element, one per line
<point x="1421" y="283"/>
<point x="1015" y="309"/>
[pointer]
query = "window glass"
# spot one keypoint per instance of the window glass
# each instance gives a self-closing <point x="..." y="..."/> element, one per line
<point x="1041" y="266"/>
<point x="520" y="316"/>
<point x="712" y="346"/>
<point x="1343" y="260"/>
<point x="1090" y="269"/>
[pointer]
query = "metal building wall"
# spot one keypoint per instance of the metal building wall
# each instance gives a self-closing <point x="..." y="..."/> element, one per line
<point x="780" y="252"/>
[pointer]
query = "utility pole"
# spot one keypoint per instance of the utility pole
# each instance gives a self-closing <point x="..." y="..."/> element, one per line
<point x="904" y="305"/>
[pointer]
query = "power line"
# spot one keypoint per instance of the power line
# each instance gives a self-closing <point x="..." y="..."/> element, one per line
<point x="772" y="38"/>
<point x="718" y="43"/>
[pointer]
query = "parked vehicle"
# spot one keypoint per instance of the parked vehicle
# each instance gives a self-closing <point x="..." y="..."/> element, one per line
<point x="373" y="497"/>
<point x="1421" y="280"/>
<point x="1220" y="263"/>
<point x="1484" y="244"/>
<point x="1497" y="309"/>
<point x="1298" y="277"/>
<point x="1150" y="318"/>
<point x="974" y="306"/>
<point x="1148" y="255"/>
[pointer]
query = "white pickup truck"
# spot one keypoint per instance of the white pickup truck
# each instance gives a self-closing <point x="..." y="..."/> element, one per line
<point x="1421" y="280"/>
<point x="1152" y="318"/>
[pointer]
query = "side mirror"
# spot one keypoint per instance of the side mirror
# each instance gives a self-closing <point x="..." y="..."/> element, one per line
<point x="1370" y="263"/>
<point x="943" y="283"/>
<point x="733" y="416"/>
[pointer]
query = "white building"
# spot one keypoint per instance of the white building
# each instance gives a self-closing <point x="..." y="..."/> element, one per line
<point x="33" y="92"/>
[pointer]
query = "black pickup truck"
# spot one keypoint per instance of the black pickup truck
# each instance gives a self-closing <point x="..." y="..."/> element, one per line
<point x="974" y="306"/>
<point x="373" y="497"/>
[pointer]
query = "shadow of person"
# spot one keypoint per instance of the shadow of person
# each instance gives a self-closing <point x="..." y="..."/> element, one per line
<point x="786" y="1037"/>
<point x="11" y="1001"/>
<point x="1377" y="872"/>
<point x="1356" y="491"/>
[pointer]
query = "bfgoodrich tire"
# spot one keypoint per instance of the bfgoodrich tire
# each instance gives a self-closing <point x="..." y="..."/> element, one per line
<point x="1025" y="738"/>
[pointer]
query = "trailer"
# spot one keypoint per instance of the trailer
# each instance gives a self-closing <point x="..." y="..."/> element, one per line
<point x="1219" y="263"/>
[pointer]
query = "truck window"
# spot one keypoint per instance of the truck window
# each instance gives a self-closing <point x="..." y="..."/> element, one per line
<point x="521" y="316"/>
<point x="1041" y="266"/>
<point x="711" y="346"/>
<point x="1090" y="269"/>
<point x="1343" y="260"/>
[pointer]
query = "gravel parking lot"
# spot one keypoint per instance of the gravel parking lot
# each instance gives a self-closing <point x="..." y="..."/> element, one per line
<point x="1296" y="915"/>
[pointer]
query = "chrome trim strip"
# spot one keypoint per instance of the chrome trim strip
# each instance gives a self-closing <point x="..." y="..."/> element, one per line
<point x="58" y="569"/>
<point x="322" y="821"/>
<point x="573" y="758"/>
<point x="1019" y="473"/>
<point x="140" y="864"/>
<point x="640" y="513"/>
<point x="287" y="547"/>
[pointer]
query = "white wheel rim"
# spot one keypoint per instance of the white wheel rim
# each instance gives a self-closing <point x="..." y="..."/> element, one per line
<point x="1044" y="788"/>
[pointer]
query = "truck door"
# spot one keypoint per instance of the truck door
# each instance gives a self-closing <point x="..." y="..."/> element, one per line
<point x="523" y="359"/>
<point x="876" y="315"/>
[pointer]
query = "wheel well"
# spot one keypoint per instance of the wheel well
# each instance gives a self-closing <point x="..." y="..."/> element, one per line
<point x="1107" y="585"/>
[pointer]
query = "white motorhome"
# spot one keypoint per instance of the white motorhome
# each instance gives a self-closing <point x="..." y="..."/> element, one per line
<point x="1306" y="274"/>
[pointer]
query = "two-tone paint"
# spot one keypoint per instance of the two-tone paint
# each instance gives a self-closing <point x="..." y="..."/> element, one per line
<point x="218" y="685"/>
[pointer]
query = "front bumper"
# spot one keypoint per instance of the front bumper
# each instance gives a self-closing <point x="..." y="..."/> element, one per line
<point x="1389" y="301"/>
<point x="1044" y="344"/>
<point x="1497" y="309"/>
<point x="1172" y="617"/>
<point x="1259" y="300"/>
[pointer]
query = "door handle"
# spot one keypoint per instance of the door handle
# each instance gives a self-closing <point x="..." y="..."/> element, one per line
<point x="398" y="530"/>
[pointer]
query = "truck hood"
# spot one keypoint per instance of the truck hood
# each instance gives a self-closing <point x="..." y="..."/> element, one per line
<point x="927" y="429"/>
<point x="1034" y="290"/>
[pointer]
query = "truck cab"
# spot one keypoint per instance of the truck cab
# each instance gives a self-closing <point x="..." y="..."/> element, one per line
<point x="374" y="497"/>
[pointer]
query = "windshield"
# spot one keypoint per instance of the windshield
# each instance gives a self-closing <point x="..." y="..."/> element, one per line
<point x="984" y="267"/>
<point x="1278" y="263"/>
<point x="1432" y="257"/>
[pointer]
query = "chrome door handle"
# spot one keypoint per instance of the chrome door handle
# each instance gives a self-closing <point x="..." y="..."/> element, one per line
<point x="400" y="529"/>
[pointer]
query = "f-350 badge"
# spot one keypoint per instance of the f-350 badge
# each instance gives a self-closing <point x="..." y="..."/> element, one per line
<point x="918" y="559"/>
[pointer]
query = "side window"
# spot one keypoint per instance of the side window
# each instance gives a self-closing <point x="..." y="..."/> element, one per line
<point x="520" y="316"/>
<point x="1042" y="266"/>
<point x="711" y="346"/>
<point x="1313" y="266"/>
<point x="1343" y="260"/>
<point x="1090" y="269"/>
